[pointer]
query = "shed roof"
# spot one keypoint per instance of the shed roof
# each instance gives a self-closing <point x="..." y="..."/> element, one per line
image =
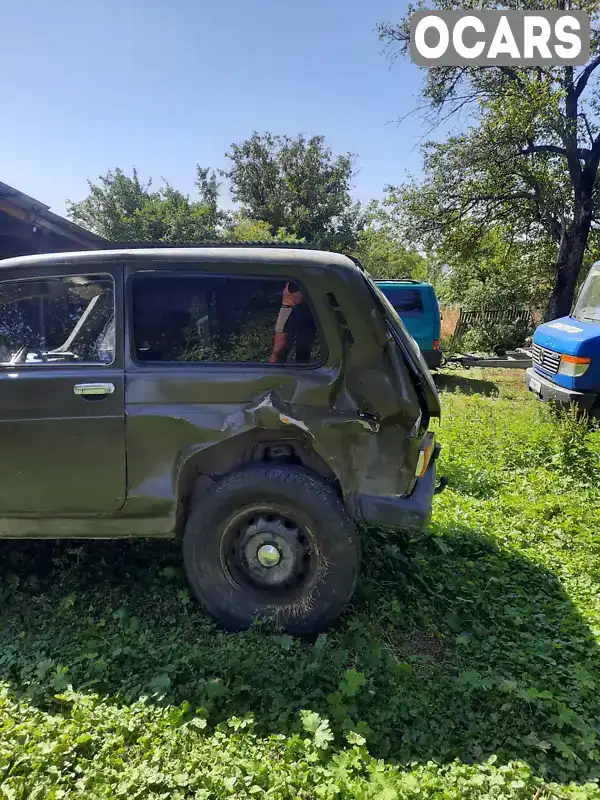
<point x="25" y="209"/>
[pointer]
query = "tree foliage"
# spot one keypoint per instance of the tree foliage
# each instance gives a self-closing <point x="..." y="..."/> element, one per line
<point x="243" y="229"/>
<point x="287" y="189"/>
<point x="296" y="184"/>
<point x="501" y="270"/>
<point x="124" y="209"/>
<point x="381" y="250"/>
<point x="527" y="157"/>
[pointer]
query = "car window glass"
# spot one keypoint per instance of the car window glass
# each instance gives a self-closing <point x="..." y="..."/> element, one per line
<point x="587" y="307"/>
<point x="57" y="320"/>
<point x="179" y="318"/>
<point x="407" y="301"/>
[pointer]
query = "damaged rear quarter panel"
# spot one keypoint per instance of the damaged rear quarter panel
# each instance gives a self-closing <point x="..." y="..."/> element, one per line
<point x="180" y="413"/>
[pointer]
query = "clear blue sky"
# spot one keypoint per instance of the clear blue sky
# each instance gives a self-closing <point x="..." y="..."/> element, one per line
<point x="163" y="84"/>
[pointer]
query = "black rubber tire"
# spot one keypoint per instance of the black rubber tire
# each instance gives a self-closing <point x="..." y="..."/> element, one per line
<point x="334" y="541"/>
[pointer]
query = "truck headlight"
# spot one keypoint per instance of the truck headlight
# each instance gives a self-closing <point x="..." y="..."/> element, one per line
<point x="574" y="366"/>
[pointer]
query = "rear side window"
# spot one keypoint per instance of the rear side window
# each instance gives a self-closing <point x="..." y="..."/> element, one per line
<point x="221" y="319"/>
<point x="57" y="320"/>
<point x="407" y="301"/>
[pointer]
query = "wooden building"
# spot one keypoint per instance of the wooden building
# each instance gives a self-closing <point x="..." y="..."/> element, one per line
<point x="28" y="226"/>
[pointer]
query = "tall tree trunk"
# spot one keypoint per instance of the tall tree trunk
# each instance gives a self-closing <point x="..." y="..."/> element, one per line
<point x="568" y="263"/>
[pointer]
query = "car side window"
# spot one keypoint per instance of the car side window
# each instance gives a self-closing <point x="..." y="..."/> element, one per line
<point x="57" y="320"/>
<point x="222" y="319"/>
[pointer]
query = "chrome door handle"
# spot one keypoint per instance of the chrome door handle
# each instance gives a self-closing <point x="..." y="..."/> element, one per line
<point x="93" y="389"/>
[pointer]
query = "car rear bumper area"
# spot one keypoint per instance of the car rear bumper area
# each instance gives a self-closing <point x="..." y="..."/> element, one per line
<point x="561" y="397"/>
<point x="411" y="513"/>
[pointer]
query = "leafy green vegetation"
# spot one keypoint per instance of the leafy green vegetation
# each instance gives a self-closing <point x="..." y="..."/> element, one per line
<point x="521" y="160"/>
<point x="287" y="189"/>
<point x="468" y="666"/>
<point x="123" y="209"/>
<point x="497" y="336"/>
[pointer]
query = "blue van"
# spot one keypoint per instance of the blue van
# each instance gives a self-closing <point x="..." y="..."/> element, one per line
<point x="417" y="306"/>
<point x="566" y="353"/>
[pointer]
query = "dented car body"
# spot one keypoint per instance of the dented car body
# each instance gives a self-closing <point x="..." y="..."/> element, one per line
<point x="110" y="430"/>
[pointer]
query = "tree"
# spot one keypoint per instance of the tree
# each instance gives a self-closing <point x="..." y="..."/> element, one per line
<point x="243" y="229"/>
<point x="496" y="270"/>
<point x="296" y="184"/>
<point x="529" y="158"/>
<point x="123" y="209"/>
<point x="381" y="251"/>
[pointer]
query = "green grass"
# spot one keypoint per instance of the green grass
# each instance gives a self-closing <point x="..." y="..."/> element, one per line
<point x="468" y="666"/>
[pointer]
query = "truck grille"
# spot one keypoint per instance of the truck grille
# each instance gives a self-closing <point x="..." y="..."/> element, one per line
<point x="545" y="359"/>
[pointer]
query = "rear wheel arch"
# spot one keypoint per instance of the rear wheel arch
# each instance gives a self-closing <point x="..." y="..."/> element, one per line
<point x="200" y="469"/>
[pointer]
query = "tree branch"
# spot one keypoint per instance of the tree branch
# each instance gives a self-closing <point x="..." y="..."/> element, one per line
<point x="584" y="76"/>
<point x="587" y="127"/>
<point x="543" y="148"/>
<point x="595" y="151"/>
<point x="509" y="72"/>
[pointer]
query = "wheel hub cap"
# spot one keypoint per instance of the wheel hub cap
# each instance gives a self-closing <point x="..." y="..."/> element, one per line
<point x="268" y="551"/>
<point x="268" y="555"/>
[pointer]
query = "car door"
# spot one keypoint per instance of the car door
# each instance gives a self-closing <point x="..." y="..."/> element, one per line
<point x="204" y="348"/>
<point x="62" y="413"/>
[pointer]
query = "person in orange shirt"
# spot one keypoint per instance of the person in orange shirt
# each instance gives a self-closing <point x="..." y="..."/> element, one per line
<point x="295" y="323"/>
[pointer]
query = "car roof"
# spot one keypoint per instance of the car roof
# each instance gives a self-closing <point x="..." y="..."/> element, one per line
<point x="271" y="255"/>
<point x="404" y="283"/>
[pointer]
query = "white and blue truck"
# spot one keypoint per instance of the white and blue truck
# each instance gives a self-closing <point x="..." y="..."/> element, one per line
<point x="566" y="353"/>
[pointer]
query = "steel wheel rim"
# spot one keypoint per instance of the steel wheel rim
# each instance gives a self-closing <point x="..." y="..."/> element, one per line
<point x="268" y="551"/>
